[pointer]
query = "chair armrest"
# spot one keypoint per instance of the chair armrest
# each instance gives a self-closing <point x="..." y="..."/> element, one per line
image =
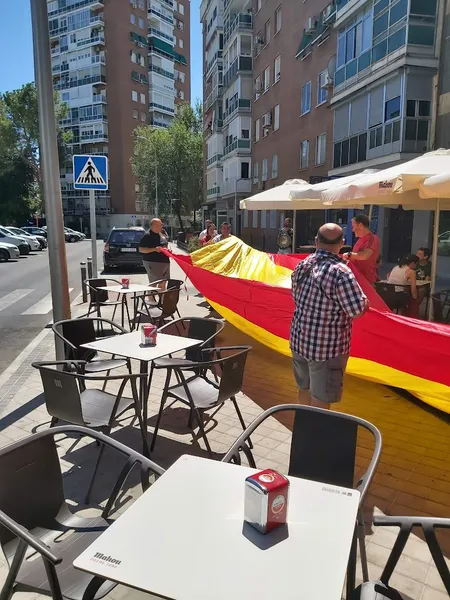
<point x="52" y="363"/>
<point x="220" y="348"/>
<point x="172" y="363"/>
<point x="387" y="521"/>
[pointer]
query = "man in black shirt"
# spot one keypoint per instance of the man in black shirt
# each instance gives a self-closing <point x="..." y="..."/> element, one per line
<point x="155" y="262"/>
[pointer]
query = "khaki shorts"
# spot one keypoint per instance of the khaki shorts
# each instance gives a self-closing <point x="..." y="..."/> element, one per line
<point x="324" y="379"/>
<point x="156" y="270"/>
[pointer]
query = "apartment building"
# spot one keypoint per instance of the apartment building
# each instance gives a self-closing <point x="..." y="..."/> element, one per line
<point x="228" y="92"/>
<point x="116" y="65"/>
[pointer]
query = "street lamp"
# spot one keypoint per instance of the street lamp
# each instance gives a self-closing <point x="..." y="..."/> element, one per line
<point x="141" y="137"/>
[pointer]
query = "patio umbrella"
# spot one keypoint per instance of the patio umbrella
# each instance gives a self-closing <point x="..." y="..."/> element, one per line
<point x="276" y="198"/>
<point x="302" y="196"/>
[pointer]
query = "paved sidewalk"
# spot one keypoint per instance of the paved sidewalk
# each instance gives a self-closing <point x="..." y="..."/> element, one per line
<point x="413" y="476"/>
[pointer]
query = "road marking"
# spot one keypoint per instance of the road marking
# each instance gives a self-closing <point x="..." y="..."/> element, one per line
<point x="42" y="307"/>
<point x="13" y="297"/>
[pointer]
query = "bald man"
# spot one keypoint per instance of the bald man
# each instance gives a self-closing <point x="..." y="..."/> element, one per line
<point x="327" y="298"/>
<point x="155" y="262"/>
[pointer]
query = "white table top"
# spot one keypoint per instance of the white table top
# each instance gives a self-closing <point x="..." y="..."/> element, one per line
<point x="406" y="284"/>
<point x="129" y="345"/>
<point x="185" y="539"/>
<point x="134" y="288"/>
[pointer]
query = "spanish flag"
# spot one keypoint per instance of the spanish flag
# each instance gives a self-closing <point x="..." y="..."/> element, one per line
<point x="252" y="291"/>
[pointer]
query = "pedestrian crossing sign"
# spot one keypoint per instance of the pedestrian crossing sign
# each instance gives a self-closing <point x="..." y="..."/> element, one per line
<point x="90" y="172"/>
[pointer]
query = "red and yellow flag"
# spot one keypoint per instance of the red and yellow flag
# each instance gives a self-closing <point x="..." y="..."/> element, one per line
<point x="252" y="291"/>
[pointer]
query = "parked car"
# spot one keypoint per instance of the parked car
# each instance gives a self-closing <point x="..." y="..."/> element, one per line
<point x="78" y="233"/>
<point x="42" y="241"/>
<point x="122" y="247"/>
<point x="31" y="241"/>
<point x="9" y="238"/>
<point x="8" y="251"/>
<point x="35" y="231"/>
<point x="72" y="235"/>
<point x="444" y="243"/>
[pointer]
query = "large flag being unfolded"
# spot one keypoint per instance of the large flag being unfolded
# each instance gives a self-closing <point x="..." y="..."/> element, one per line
<point x="252" y="291"/>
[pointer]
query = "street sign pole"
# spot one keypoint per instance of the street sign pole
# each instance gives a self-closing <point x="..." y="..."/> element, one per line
<point x="48" y="152"/>
<point x="93" y="232"/>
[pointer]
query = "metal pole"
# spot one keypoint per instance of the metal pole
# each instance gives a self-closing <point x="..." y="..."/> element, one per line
<point x="93" y="232"/>
<point x="48" y="152"/>
<point x="83" y="279"/>
<point x="156" y="188"/>
<point x="89" y="267"/>
<point x="437" y="215"/>
<point x="294" y="231"/>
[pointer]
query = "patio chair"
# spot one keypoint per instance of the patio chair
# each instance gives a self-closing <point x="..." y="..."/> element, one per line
<point x="100" y="298"/>
<point x="39" y="534"/>
<point x="68" y="399"/>
<point x="394" y="299"/>
<point x="198" y="328"/>
<point x="76" y="332"/>
<point x="441" y="306"/>
<point x="199" y="392"/>
<point x="165" y="307"/>
<point x="380" y="590"/>
<point x="323" y="448"/>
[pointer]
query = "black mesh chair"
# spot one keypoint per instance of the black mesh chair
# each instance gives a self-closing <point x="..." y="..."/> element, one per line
<point x="197" y="328"/>
<point x="39" y="534"/>
<point x="159" y="311"/>
<point x="68" y="400"/>
<point x="76" y="332"/>
<point x="199" y="392"/>
<point x="101" y="298"/>
<point x="379" y="590"/>
<point x="441" y="306"/>
<point x="323" y="448"/>
<point x="396" y="300"/>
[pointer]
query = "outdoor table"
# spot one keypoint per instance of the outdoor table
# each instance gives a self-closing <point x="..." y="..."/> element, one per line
<point x="185" y="539"/>
<point x="129" y="345"/>
<point x="418" y="283"/>
<point x="134" y="289"/>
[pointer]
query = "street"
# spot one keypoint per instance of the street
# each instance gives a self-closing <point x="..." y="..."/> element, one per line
<point x="25" y="298"/>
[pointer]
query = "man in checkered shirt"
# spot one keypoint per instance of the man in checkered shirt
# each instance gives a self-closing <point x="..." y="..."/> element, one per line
<point x="327" y="298"/>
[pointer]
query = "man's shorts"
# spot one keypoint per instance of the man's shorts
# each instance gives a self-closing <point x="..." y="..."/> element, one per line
<point x="324" y="379"/>
<point x="156" y="270"/>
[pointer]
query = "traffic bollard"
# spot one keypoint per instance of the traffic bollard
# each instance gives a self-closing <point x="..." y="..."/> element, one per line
<point x="83" y="279"/>
<point x="89" y="267"/>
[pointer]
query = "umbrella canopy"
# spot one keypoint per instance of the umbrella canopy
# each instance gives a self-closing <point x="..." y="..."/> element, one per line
<point x="393" y="186"/>
<point x="437" y="186"/>
<point x="277" y="198"/>
<point x="302" y="195"/>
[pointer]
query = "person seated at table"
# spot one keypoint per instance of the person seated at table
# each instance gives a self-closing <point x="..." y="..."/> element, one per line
<point x="423" y="271"/>
<point x="211" y="232"/>
<point x="403" y="276"/>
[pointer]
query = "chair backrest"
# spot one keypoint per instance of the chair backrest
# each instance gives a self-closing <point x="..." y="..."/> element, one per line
<point x="205" y="330"/>
<point x="232" y="375"/>
<point x="32" y="493"/>
<point x="169" y="302"/>
<point x="97" y="296"/>
<point x="174" y="283"/>
<point x="388" y="293"/>
<point x="78" y="332"/>
<point x="62" y="395"/>
<point x="441" y="306"/>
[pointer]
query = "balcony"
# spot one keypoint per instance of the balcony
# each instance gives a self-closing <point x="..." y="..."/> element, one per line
<point x="241" y="64"/>
<point x="213" y="160"/>
<point x="97" y="40"/>
<point x="161" y="34"/>
<point x="168" y="2"/>
<point x="160" y="47"/>
<point x="94" y="137"/>
<point x="66" y="84"/>
<point x="239" y="22"/>
<point x="217" y="91"/>
<point x="161" y="107"/>
<point x="214" y="191"/>
<point x="153" y="14"/>
<point x="98" y="59"/>
<point x="238" y="105"/>
<point x="240" y="144"/>
<point x="236" y="186"/>
<point x="55" y="51"/>
<point x="99" y="98"/>
<point x="57" y="32"/>
<point x="161" y="71"/>
<point x="93" y="4"/>
<point x="208" y="66"/>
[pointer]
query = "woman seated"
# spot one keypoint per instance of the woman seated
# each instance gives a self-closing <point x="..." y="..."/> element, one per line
<point x="404" y="277"/>
<point x="210" y="234"/>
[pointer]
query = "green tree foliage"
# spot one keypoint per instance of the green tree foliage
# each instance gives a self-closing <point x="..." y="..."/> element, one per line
<point x="17" y="199"/>
<point x="175" y="154"/>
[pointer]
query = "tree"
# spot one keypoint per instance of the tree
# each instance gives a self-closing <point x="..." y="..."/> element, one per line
<point x="176" y="154"/>
<point x="17" y="199"/>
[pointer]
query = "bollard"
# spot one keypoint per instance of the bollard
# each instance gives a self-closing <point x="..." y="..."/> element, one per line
<point x="89" y="267"/>
<point x="83" y="279"/>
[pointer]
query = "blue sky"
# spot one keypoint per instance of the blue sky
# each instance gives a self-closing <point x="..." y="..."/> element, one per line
<point x="16" y="47"/>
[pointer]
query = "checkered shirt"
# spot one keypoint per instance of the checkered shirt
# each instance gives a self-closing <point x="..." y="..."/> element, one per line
<point x="327" y="298"/>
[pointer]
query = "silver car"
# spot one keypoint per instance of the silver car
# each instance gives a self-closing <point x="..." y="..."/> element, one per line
<point x="8" y="251"/>
<point x="32" y="242"/>
<point x="19" y="232"/>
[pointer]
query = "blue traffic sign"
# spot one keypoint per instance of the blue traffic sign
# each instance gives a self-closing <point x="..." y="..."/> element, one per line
<point x="90" y="172"/>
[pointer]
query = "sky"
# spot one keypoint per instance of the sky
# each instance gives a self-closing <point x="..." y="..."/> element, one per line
<point x="16" y="47"/>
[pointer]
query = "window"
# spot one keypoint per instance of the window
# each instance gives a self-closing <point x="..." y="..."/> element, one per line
<point x="418" y="7"/>
<point x="245" y="170"/>
<point x="278" y="20"/>
<point x="181" y="95"/>
<point x="141" y="23"/>
<point x="142" y="98"/>
<point x="141" y="4"/>
<point x="254" y="218"/>
<point x="258" y="88"/>
<point x="135" y="114"/>
<point x="181" y="8"/>
<point x="245" y="134"/>
<point x="134" y="96"/>
<point x="256" y="173"/>
<point x="322" y="91"/>
<point x="264" y="169"/>
<point x="306" y="98"/>
<point x="263" y="219"/>
<point x="273" y="219"/>
<point x="245" y="218"/>
<point x="133" y="19"/>
<point x="277" y="69"/>
<point x="276" y="117"/>
<point x="267" y="33"/>
<point x="421" y="35"/>
<point x="175" y="39"/>
<point x="353" y="150"/>
<point x="321" y="148"/>
<point x="181" y="43"/>
<point x="304" y="154"/>
<point x="143" y="117"/>
<point x="133" y="57"/>
<point x="175" y="6"/>
<point x="418" y="108"/>
<point x="258" y="5"/>
<point x="267" y="79"/>
<point x="257" y="129"/>
<point x="274" y="166"/>
<point x="392" y="109"/>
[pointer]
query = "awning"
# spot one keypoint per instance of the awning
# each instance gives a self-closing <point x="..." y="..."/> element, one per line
<point x="180" y="58"/>
<point x="162" y="46"/>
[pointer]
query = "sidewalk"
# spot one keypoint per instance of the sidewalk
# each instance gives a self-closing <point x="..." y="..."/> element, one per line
<point x="412" y="478"/>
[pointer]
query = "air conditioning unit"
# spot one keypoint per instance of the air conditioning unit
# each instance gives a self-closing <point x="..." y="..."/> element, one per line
<point x="329" y="12"/>
<point x="267" y="119"/>
<point x="328" y="83"/>
<point x="311" y="24"/>
<point x="180" y="26"/>
<point x="258" y="41"/>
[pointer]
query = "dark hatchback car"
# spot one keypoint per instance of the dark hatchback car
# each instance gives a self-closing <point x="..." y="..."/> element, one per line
<point x="122" y="248"/>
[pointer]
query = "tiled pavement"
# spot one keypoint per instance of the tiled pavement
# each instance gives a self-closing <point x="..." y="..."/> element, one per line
<point x="413" y="476"/>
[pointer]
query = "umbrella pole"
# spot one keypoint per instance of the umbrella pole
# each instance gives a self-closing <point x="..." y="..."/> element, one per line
<point x="370" y="212"/>
<point x="437" y="215"/>
<point x="294" y="230"/>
